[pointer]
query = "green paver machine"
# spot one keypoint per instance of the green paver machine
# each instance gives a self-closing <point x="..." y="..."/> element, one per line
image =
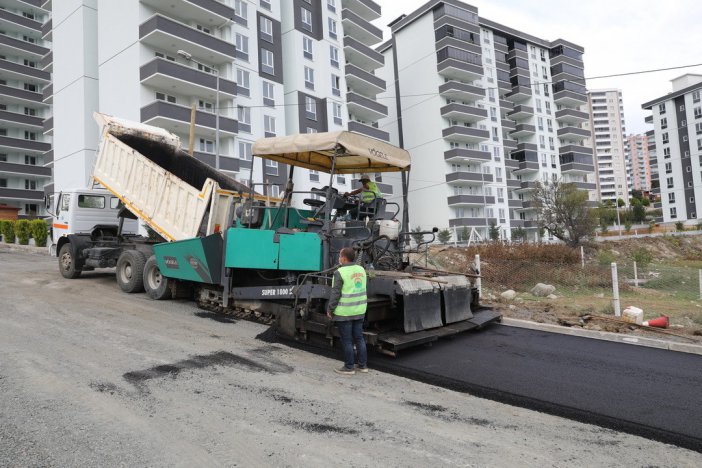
<point x="278" y="261"/>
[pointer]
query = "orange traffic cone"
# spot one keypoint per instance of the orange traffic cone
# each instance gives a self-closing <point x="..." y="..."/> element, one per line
<point x="660" y="322"/>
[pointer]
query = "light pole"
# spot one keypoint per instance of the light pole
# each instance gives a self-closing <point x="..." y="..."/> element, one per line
<point x="189" y="57"/>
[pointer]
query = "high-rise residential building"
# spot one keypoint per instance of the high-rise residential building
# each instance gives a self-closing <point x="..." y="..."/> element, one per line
<point x="638" y="163"/>
<point x="655" y="191"/>
<point x="608" y="140"/>
<point x="25" y="111"/>
<point x="677" y="127"/>
<point x="267" y="67"/>
<point x="486" y="111"/>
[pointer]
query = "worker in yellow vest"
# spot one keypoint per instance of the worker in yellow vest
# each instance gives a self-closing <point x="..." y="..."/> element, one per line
<point x="369" y="192"/>
<point x="347" y="308"/>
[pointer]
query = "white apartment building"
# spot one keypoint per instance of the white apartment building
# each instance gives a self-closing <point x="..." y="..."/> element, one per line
<point x="486" y="112"/>
<point x="275" y="67"/>
<point x="25" y="111"/>
<point x="677" y="126"/>
<point x="608" y="130"/>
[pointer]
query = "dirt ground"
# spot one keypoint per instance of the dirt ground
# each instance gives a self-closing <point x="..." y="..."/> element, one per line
<point x="90" y="376"/>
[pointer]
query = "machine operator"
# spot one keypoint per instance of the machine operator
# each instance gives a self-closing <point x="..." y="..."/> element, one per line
<point x="369" y="192"/>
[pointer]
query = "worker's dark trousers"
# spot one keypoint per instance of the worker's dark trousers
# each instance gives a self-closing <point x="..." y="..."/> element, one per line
<point x="351" y="332"/>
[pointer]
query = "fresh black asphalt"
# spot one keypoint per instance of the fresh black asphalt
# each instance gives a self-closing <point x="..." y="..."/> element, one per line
<point x="645" y="391"/>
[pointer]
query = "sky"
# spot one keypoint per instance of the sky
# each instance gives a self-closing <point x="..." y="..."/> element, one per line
<point x="619" y="36"/>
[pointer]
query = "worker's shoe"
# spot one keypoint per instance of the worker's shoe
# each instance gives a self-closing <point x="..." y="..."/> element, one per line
<point x="363" y="370"/>
<point x="344" y="371"/>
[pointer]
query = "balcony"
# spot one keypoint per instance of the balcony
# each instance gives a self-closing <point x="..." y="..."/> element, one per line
<point x="568" y="97"/>
<point x="468" y="178"/>
<point x="48" y="126"/>
<point x="360" y="29"/>
<point x="169" y="35"/>
<point x="521" y="112"/>
<point x="518" y="94"/>
<point x="176" y="118"/>
<point x="461" y="91"/>
<point x="49" y="157"/>
<point x="576" y="163"/>
<point x="12" y="169"/>
<point x="458" y="64"/>
<point x="465" y="134"/>
<point x="47" y="95"/>
<point x="584" y="185"/>
<point x="47" y="62"/>
<point x="364" y="108"/>
<point x="649" y="119"/>
<point x="509" y="144"/>
<point x="368" y="130"/>
<point x="200" y="11"/>
<point x="9" y="144"/>
<point x="523" y="131"/>
<point x="508" y="124"/>
<point x="527" y="186"/>
<point x="361" y="55"/>
<point x="514" y="183"/>
<point x="22" y="195"/>
<point x="515" y="203"/>
<point x="18" y="24"/>
<point x="526" y="205"/>
<point x="165" y="74"/>
<point x="47" y="30"/>
<point x="365" y="83"/>
<point x="511" y="163"/>
<point x="528" y="161"/>
<point x="575" y="149"/>
<point x="15" y="71"/>
<point x="472" y="222"/>
<point x="463" y="113"/>
<point x="571" y="116"/>
<point x="573" y="133"/>
<point x="11" y="95"/>
<point x="366" y="9"/>
<point x="459" y="155"/>
<point x="470" y="200"/>
<point x="226" y="163"/>
<point x="22" y="47"/>
<point x="22" y="121"/>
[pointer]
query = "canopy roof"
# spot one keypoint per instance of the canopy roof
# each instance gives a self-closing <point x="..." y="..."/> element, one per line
<point x="357" y="153"/>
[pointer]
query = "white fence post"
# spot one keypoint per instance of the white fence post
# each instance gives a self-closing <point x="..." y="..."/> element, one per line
<point x="582" y="256"/>
<point x="615" y="291"/>
<point x="455" y="236"/>
<point x="479" y="281"/>
<point x="700" y="284"/>
<point x="636" y="276"/>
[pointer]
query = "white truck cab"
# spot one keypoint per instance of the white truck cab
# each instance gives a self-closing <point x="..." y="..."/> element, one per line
<point x="82" y="211"/>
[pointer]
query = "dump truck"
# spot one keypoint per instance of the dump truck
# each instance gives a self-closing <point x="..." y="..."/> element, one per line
<point x="224" y="245"/>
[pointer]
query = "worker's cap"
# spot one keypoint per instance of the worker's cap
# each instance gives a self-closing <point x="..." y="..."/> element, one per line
<point x="364" y="177"/>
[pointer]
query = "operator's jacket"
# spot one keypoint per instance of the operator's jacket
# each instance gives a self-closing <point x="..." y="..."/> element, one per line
<point x="348" y="299"/>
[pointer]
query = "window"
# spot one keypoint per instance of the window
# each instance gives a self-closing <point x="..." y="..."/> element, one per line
<point x="268" y="94"/>
<point x="336" y="108"/>
<point x="493" y="114"/>
<point x="30" y="111"/>
<point x="669" y="182"/>
<point x="164" y="56"/>
<point x="306" y="18"/>
<point x="242" y="81"/>
<point x="267" y="62"/>
<point x="549" y="124"/>
<point x="30" y="184"/>
<point x="668" y="168"/>
<point x="538" y="105"/>
<point x="497" y="153"/>
<point x="29" y="63"/>
<point x="114" y="203"/>
<point x="673" y="212"/>
<point x="243" y="115"/>
<point x="3" y="183"/>
<point x="335" y="84"/>
<point x="3" y="157"/>
<point x="314" y="176"/>
<point x="269" y="125"/>
<point x="206" y="146"/>
<point x="540" y="121"/>
<point x="275" y="191"/>
<point x="542" y="141"/>
<point x="661" y="108"/>
<point x="696" y="96"/>
<point x="241" y="9"/>
<point x="331" y="5"/>
<point x="699" y="143"/>
<point x="205" y="106"/>
<point x="28" y="15"/>
<point x="548" y="107"/>
<point x="332" y="28"/>
<point x="682" y="107"/>
<point x="553" y="161"/>
<point x="495" y="134"/>
<point x="310" y="108"/>
<point x="31" y="40"/>
<point x="30" y="87"/>
<point x="245" y="150"/>
<point x="664" y="136"/>
<point x="491" y="94"/>
<point x="666" y="153"/>
<point x="664" y="123"/>
<point x="543" y="54"/>
<point x="551" y="144"/>
<point x="242" y="46"/>
<point x="307" y="50"/>
<point x="204" y="29"/>
<point x="340" y="179"/>
<point x="266" y="4"/>
<point x="65" y="202"/>
<point x="266" y="27"/>
<point x="334" y="56"/>
<point x="309" y="78"/>
<point x="698" y="128"/>
<point x="91" y="201"/>
<point x="30" y="135"/>
<point x="271" y="167"/>
<point x="312" y="130"/>
<point x="698" y="112"/>
<point x="546" y="93"/>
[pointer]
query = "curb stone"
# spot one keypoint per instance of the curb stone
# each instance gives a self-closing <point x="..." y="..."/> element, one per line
<point x="606" y="336"/>
<point x="24" y="248"/>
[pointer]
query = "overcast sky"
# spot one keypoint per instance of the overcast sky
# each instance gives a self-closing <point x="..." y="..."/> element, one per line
<point x="619" y="36"/>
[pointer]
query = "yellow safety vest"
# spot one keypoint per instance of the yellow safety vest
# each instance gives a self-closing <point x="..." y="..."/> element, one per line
<point x="353" y="299"/>
<point x="371" y="194"/>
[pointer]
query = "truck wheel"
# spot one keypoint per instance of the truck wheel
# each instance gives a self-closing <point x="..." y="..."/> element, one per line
<point x="130" y="271"/>
<point x="67" y="264"/>
<point x="156" y="285"/>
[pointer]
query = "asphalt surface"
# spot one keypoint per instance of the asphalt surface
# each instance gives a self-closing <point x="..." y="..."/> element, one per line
<point x="645" y="391"/>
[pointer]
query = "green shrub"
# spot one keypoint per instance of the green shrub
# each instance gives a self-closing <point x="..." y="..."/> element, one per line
<point x="40" y="232"/>
<point x="8" y="231"/>
<point x="605" y="258"/>
<point x="651" y="227"/>
<point x="22" y="231"/>
<point x="444" y="236"/>
<point x="679" y="226"/>
<point x="642" y="256"/>
<point x="627" y="227"/>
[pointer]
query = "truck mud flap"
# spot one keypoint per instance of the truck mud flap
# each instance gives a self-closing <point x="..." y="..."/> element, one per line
<point x="422" y="304"/>
<point x="456" y="295"/>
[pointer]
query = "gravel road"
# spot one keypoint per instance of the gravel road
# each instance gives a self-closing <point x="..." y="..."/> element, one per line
<point x="91" y="376"/>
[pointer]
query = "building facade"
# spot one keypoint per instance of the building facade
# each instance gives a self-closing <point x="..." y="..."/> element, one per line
<point x="638" y="163"/>
<point x="26" y="125"/>
<point x="268" y="68"/>
<point x="677" y="130"/>
<point x="486" y="111"/>
<point x="608" y="140"/>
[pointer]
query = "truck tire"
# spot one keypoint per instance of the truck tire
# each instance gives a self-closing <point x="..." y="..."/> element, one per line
<point x="67" y="264"/>
<point x="130" y="271"/>
<point x="156" y="285"/>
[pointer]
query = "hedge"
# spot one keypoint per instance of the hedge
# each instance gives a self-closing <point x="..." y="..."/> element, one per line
<point x="22" y="231"/>
<point x="40" y="232"/>
<point x="8" y="231"/>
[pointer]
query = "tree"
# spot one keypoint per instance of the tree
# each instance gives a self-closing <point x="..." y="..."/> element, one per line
<point x="464" y="235"/>
<point x="638" y="212"/>
<point x="444" y="236"/>
<point x="494" y="232"/>
<point x="620" y="202"/>
<point x="645" y="202"/>
<point x="416" y="236"/>
<point x="563" y="211"/>
<point x="519" y="234"/>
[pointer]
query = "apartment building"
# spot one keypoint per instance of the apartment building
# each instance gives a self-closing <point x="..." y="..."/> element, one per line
<point x="608" y="140"/>
<point x="677" y="129"/>
<point x="486" y="111"/>
<point x="252" y="69"/>
<point x="655" y="191"/>
<point x="638" y="164"/>
<point x="25" y="111"/>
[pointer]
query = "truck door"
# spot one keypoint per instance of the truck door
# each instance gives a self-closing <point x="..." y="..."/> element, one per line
<point x="61" y="225"/>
